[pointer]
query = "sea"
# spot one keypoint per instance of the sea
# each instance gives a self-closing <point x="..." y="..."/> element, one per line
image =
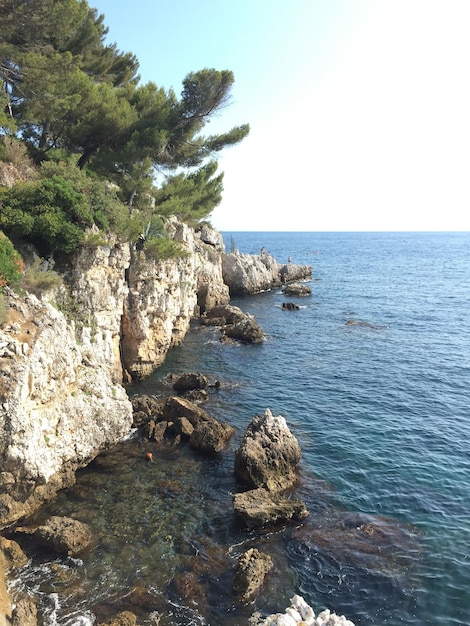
<point x="372" y="375"/>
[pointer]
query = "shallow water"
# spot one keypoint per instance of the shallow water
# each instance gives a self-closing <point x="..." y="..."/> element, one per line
<point x="380" y="409"/>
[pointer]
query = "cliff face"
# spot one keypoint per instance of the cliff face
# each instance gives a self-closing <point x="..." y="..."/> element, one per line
<point x="60" y="404"/>
<point x="61" y="371"/>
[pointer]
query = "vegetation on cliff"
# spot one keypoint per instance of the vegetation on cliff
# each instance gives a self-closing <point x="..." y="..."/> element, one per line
<point x="88" y="139"/>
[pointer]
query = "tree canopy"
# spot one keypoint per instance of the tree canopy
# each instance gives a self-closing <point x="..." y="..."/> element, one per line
<point x="68" y="94"/>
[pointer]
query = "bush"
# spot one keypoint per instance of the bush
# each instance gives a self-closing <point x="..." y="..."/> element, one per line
<point x="37" y="280"/>
<point x="48" y="213"/>
<point x="11" y="263"/>
<point x="161" y="248"/>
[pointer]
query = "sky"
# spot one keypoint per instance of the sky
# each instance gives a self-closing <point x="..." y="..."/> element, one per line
<point x="359" y="110"/>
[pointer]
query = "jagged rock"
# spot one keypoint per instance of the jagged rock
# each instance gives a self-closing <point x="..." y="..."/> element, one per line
<point x="252" y="568"/>
<point x="190" y="381"/>
<point x="212" y="237"/>
<point x="145" y="409"/>
<point x="176" y="407"/>
<point x="182" y="426"/>
<point x="25" y="613"/>
<point x="60" y="404"/>
<point x="290" y="272"/>
<point x="268" y="454"/>
<point x="297" y="289"/>
<point x="246" y="330"/>
<point x="126" y="618"/>
<point x="11" y="554"/>
<point x="248" y="274"/>
<point x="260" y="507"/>
<point x="5" y="604"/>
<point x="234" y="323"/>
<point x="210" y="436"/>
<point x="290" y="306"/>
<point x="156" y="430"/>
<point x="64" y="535"/>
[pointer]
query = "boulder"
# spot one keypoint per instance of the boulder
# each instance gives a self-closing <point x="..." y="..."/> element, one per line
<point x="269" y="454"/>
<point x="175" y="407"/>
<point x="252" y="568"/>
<point x="64" y="535"/>
<point x="125" y="618"/>
<point x="234" y="323"/>
<point x="210" y="436"/>
<point x="25" y="613"/>
<point x="260" y="507"/>
<point x="290" y="306"/>
<point x="190" y="381"/>
<point x="297" y="289"/>
<point x="144" y="409"/>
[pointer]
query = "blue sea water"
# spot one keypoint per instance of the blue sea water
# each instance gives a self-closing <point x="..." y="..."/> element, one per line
<point x="380" y="408"/>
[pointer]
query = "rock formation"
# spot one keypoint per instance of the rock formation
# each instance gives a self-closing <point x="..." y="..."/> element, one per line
<point x="252" y="568"/>
<point x="259" y="507"/>
<point x="266" y="461"/>
<point x="297" y="289"/>
<point x="268" y="454"/>
<point x="64" y="357"/>
<point x="247" y="274"/>
<point x="234" y="323"/>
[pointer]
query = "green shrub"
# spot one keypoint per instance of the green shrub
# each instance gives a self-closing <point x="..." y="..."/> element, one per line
<point x="48" y="213"/>
<point x="161" y="248"/>
<point x="11" y="263"/>
<point x="37" y="280"/>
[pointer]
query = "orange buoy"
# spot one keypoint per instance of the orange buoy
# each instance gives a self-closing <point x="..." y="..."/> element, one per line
<point x="148" y="457"/>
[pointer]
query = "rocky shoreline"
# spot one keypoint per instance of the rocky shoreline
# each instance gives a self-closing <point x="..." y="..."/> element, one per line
<point x="64" y="368"/>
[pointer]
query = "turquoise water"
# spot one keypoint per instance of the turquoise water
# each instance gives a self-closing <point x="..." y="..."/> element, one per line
<point x="381" y="412"/>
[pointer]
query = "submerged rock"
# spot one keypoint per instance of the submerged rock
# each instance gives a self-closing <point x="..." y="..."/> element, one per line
<point x="64" y="535"/>
<point x="126" y="618"/>
<point x="252" y="568"/>
<point x="260" y="507"/>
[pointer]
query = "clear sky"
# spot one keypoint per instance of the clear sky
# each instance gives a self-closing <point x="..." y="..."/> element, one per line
<point x="359" y="109"/>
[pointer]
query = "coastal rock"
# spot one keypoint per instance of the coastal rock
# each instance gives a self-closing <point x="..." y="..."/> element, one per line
<point x="61" y="403"/>
<point x="64" y="535"/>
<point x="5" y="603"/>
<point x="11" y="557"/>
<point x="269" y="454"/>
<point x="212" y="237"/>
<point x="234" y="323"/>
<point x="251" y="571"/>
<point x="248" y="274"/>
<point x="297" y="289"/>
<point x="260" y="507"/>
<point x="183" y="418"/>
<point x="11" y="554"/>
<point x="299" y="613"/>
<point x="125" y="618"/>
<point x="163" y="297"/>
<point x="290" y="306"/>
<point x="210" y="436"/>
<point x="25" y="613"/>
<point x="175" y="407"/>
<point x="190" y="381"/>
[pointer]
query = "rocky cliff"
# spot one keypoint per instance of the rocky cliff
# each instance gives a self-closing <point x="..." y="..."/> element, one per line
<point x="63" y="360"/>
